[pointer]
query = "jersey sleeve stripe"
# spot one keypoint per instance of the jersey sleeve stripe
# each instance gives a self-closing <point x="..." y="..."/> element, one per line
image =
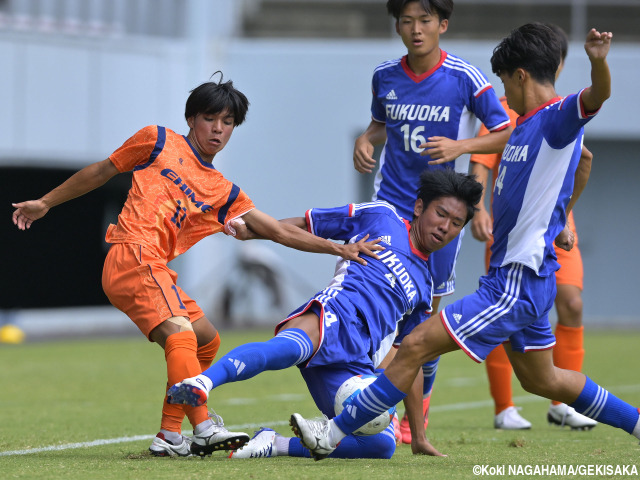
<point x="478" y="79"/>
<point x="309" y="219"/>
<point x="233" y="195"/>
<point x="500" y="126"/>
<point x="162" y="138"/>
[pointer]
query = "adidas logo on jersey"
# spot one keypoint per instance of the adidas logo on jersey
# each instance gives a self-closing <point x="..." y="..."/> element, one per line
<point x="457" y="317"/>
<point x="391" y="95"/>
<point x="238" y="364"/>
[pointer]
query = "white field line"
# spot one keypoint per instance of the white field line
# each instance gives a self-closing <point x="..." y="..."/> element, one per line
<point x="435" y="408"/>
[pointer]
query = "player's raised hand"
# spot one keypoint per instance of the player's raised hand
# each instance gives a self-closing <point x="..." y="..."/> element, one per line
<point x="597" y="44"/>
<point x="441" y="149"/>
<point x="363" y="160"/>
<point x="351" y="251"/>
<point x="28" y="212"/>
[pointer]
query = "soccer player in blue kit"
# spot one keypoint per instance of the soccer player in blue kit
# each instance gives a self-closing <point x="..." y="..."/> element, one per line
<point x="425" y="109"/>
<point x="532" y="191"/>
<point x="349" y="327"/>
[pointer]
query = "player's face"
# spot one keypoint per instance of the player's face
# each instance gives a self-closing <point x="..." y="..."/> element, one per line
<point x="438" y="224"/>
<point x="210" y="132"/>
<point x="420" y="31"/>
<point x="513" y="92"/>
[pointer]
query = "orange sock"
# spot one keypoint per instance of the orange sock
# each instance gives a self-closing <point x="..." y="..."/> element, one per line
<point x="569" y="350"/>
<point x="499" y="373"/>
<point x="425" y="409"/>
<point x="207" y="353"/>
<point x="180" y="352"/>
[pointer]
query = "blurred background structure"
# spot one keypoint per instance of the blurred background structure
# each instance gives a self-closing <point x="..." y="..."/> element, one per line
<point x="81" y="76"/>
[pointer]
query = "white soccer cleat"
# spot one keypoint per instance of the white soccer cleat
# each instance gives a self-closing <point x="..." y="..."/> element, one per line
<point x="160" y="447"/>
<point x="191" y="391"/>
<point x="261" y="445"/>
<point x="216" y="437"/>
<point x="314" y="435"/>
<point x="510" y="419"/>
<point x="564" y="415"/>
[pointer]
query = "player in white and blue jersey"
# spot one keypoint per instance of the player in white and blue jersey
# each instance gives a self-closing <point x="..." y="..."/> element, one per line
<point x="513" y="300"/>
<point x="350" y="326"/>
<point x="425" y="110"/>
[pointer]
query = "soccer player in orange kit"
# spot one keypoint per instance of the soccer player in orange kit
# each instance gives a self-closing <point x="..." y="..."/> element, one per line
<point x="177" y="197"/>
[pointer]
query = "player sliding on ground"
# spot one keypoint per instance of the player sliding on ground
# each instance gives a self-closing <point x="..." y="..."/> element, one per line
<point x="349" y="327"/>
<point x="533" y="189"/>
<point x="177" y="198"/>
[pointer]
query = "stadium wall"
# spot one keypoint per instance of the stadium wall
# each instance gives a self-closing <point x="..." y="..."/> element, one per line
<point x="70" y="101"/>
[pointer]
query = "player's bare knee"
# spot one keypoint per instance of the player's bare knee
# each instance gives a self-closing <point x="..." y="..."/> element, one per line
<point x="570" y="312"/>
<point x="414" y="348"/>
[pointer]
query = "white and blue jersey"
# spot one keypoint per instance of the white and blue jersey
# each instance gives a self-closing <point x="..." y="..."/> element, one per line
<point x="361" y="307"/>
<point x="534" y="184"/>
<point x="445" y="101"/>
<point x="533" y="187"/>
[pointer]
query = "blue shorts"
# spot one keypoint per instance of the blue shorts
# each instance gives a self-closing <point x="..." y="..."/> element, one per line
<point x="344" y="338"/>
<point x="442" y="265"/>
<point x="512" y="303"/>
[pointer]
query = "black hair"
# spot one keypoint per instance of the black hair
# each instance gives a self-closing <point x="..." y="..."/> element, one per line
<point x="562" y="38"/>
<point x="212" y="98"/>
<point x="442" y="8"/>
<point x="533" y="47"/>
<point x="446" y="182"/>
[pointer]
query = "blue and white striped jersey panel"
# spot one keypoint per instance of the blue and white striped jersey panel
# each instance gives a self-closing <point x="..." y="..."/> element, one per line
<point x="535" y="183"/>
<point x="526" y="243"/>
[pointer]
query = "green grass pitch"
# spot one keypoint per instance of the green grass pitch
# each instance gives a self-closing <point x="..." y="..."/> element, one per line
<point x="88" y="409"/>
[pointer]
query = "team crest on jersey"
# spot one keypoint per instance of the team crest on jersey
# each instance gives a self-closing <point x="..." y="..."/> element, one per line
<point x="385" y="238"/>
<point x="391" y="95"/>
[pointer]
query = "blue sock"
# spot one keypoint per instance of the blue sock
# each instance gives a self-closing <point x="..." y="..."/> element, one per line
<point x="297" y="450"/>
<point x="429" y="371"/>
<point x="378" y="397"/>
<point x="289" y="347"/>
<point x="381" y="445"/>
<point x="597" y="403"/>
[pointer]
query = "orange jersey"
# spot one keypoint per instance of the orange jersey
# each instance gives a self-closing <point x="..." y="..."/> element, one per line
<point x="571" y="269"/>
<point x="176" y="199"/>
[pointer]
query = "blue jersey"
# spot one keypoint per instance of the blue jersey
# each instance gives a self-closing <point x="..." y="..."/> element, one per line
<point x="445" y="101"/>
<point x="534" y="184"/>
<point x="376" y="295"/>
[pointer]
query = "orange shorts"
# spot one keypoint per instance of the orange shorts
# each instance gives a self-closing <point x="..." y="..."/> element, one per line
<point x="571" y="270"/>
<point x="142" y="286"/>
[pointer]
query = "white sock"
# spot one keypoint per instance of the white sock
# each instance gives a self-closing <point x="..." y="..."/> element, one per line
<point x="206" y="382"/>
<point x="335" y="434"/>
<point x="173" y="438"/>
<point x="202" y="426"/>
<point x="282" y="445"/>
<point x="636" y="430"/>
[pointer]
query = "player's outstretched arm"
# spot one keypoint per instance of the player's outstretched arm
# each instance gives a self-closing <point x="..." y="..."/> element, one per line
<point x="375" y="134"/>
<point x="81" y="182"/>
<point x="597" y="47"/>
<point x="443" y="149"/>
<point x="295" y="236"/>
